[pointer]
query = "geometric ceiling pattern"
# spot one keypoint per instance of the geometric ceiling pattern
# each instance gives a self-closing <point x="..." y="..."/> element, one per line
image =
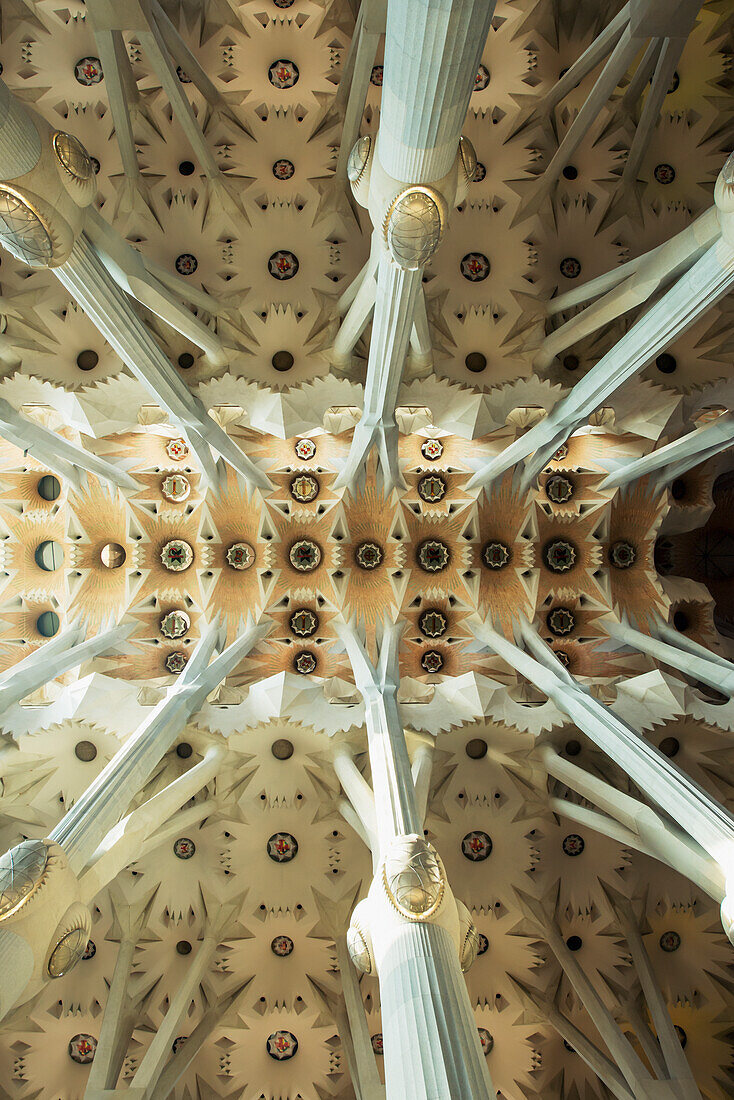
<point x="210" y="925"/>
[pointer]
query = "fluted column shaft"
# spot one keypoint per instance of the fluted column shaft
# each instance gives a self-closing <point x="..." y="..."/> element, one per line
<point x="431" y="1044"/>
<point x="432" y="53"/>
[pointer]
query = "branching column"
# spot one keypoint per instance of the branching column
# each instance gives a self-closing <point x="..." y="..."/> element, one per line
<point x="693" y="660"/>
<point x="707" y="280"/>
<point x="676" y="458"/>
<point x="43" y="930"/>
<point x="407" y="929"/>
<point x="626" y="1075"/>
<point x="55" y="657"/>
<point x="432" y="50"/>
<point x="66" y="459"/>
<point x="700" y="815"/>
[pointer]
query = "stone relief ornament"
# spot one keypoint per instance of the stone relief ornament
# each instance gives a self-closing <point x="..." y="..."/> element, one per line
<point x="413" y="877"/>
<point x="414" y="226"/>
<point x="69" y="940"/>
<point x="359" y="952"/>
<point x="21" y="873"/>
<point x="468" y="937"/>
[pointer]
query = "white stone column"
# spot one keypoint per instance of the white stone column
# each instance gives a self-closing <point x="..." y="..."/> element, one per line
<point x="694" y="293"/>
<point x="89" y="820"/>
<point x="697" y="662"/>
<point x="674" y="459"/>
<point x="432" y="53"/>
<point x="626" y="1074"/>
<point x="430" y="1036"/>
<point x="108" y="308"/>
<point x="55" y="657"/>
<point x="696" y="812"/>
<point x="66" y="459"/>
<point x="29" y="935"/>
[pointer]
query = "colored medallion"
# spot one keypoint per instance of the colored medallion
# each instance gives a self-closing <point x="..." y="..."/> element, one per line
<point x="177" y="449"/>
<point x="304" y="488"/>
<point x="175" y="624"/>
<point x="89" y="951"/>
<point x="177" y="555"/>
<point x="670" y="941"/>
<point x="433" y="556"/>
<point x="432" y="449"/>
<point x="283" y="74"/>
<point x="283" y="169"/>
<point x="283" y="265"/>
<point x="368" y="555"/>
<point x="282" y="847"/>
<point x="304" y="662"/>
<point x="376" y="76"/>
<point x="282" y="1045"/>
<point x="175" y="487"/>
<point x="560" y="556"/>
<point x="483" y="946"/>
<point x="432" y="661"/>
<point x="485" y="1038"/>
<point x="305" y="449"/>
<point x="178" y="1042"/>
<point x="377" y="1044"/>
<point x="559" y="489"/>
<point x="495" y="555"/>
<point x="82" y="1049"/>
<point x="186" y="263"/>
<point x="664" y="173"/>
<point x="622" y="555"/>
<point x="573" y="844"/>
<point x="477" y="846"/>
<point x="304" y="622"/>
<point x="240" y="555"/>
<point x="480" y="172"/>
<point x="88" y="71"/>
<point x="184" y="848"/>
<point x="282" y="946"/>
<point x="433" y="623"/>
<point x="560" y="621"/>
<point x="475" y="267"/>
<point x="176" y="662"/>
<point x="431" y="488"/>
<point x="570" y="267"/>
<point x="481" y="80"/>
<point x="305" y="556"/>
